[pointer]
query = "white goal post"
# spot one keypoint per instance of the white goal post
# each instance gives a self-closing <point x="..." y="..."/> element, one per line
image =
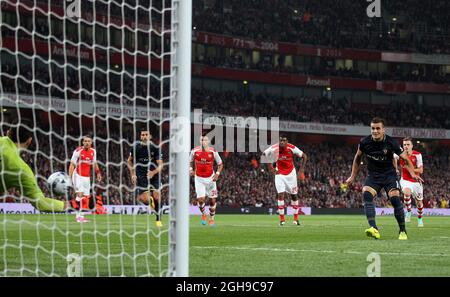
<point x="104" y="69"/>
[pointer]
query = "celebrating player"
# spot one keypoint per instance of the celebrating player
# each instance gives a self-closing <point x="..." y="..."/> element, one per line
<point x="379" y="149"/>
<point x="145" y="164"/>
<point x="410" y="186"/>
<point x="285" y="174"/>
<point x="205" y="178"/>
<point x="15" y="173"/>
<point x="83" y="159"/>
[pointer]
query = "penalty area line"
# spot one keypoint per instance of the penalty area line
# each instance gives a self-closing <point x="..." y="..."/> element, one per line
<point x="320" y="251"/>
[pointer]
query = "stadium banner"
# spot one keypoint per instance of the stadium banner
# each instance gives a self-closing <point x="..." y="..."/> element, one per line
<point x="435" y="59"/>
<point x="284" y="78"/>
<point x="27" y="208"/>
<point x="316" y="81"/>
<point x="285" y="47"/>
<point x="416" y="58"/>
<point x="17" y="208"/>
<point x="426" y="211"/>
<point x="399" y="87"/>
<point x="417" y="87"/>
<point x="88" y="107"/>
<point x="194" y="210"/>
<point x="392" y="87"/>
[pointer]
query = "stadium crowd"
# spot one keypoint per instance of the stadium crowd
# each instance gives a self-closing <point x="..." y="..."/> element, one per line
<point x="339" y="24"/>
<point x="86" y="85"/>
<point x="245" y="182"/>
<point x="336" y="24"/>
<point x="270" y="62"/>
<point x="323" y="110"/>
<point x="128" y="91"/>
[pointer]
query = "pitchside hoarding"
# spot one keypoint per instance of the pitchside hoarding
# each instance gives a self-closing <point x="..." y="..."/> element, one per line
<point x="26" y="208"/>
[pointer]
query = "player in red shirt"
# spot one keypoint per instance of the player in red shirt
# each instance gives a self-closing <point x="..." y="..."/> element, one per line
<point x="285" y="174"/>
<point x="205" y="179"/>
<point x="83" y="158"/>
<point x="410" y="186"/>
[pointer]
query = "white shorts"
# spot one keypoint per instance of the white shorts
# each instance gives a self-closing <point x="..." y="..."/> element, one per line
<point x="416" y="188"/>
<point x="287" y="183"/>
<point x="81" y="184"/>
<point x="205" y="186"/>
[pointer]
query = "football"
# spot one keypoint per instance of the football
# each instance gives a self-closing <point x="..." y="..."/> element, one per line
<point x="59" y="183"/>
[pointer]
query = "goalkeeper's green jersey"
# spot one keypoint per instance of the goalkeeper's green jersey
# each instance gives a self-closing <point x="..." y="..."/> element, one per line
<point x="15" y="173"/>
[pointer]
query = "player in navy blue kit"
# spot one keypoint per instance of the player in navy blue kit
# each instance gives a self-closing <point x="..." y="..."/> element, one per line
<point x="145" y="164"/>
<point x="379" y="149"/>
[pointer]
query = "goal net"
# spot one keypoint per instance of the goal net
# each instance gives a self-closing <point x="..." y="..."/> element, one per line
<point x="104" y="69"/>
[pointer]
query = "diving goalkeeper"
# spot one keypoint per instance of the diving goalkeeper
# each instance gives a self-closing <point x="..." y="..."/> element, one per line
<point x="15" y="173"/>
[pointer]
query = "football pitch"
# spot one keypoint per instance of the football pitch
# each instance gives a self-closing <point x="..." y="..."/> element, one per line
<point x="238" y="245"/>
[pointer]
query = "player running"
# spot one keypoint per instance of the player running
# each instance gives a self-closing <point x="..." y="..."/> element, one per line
<point x="379" y="149"/>
<point x="410" y="186"/>
<point x="205" y="178"/>
<point x="84" y="158"/>
<point x="286" y="175"/>
<point x="15" y="173"/>
<point x="145" y="165"/>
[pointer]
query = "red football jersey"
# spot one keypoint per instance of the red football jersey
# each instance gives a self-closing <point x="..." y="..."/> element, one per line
<point x="284" y="156"/>
<point x="416" y="159"/>
<point x="83" y="160"/>
<point x="204" y="161"/>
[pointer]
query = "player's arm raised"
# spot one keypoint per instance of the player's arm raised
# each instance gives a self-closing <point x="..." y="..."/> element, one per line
<point x="131" y="169"/>
<point x="410" y="166"/>
<point x="355" y="166"/>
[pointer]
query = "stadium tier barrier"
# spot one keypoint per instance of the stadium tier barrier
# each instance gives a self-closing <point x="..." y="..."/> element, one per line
<point x="26" y="208"/>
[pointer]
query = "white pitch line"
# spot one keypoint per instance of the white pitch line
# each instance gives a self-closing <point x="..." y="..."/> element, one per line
<point x="289" y="226"/>
<point x="252" y="249"/>
<point x="308" y="225"/>
<point x="318" y="251"/>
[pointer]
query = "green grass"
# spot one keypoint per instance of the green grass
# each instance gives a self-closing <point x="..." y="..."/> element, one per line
<point x="238" y="245"/>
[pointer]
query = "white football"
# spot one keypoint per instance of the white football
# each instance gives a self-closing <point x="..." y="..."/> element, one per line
<point x="59" y="183"/>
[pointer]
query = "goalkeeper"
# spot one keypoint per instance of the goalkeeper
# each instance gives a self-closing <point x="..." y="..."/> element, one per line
<point x="15" y="173"/>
